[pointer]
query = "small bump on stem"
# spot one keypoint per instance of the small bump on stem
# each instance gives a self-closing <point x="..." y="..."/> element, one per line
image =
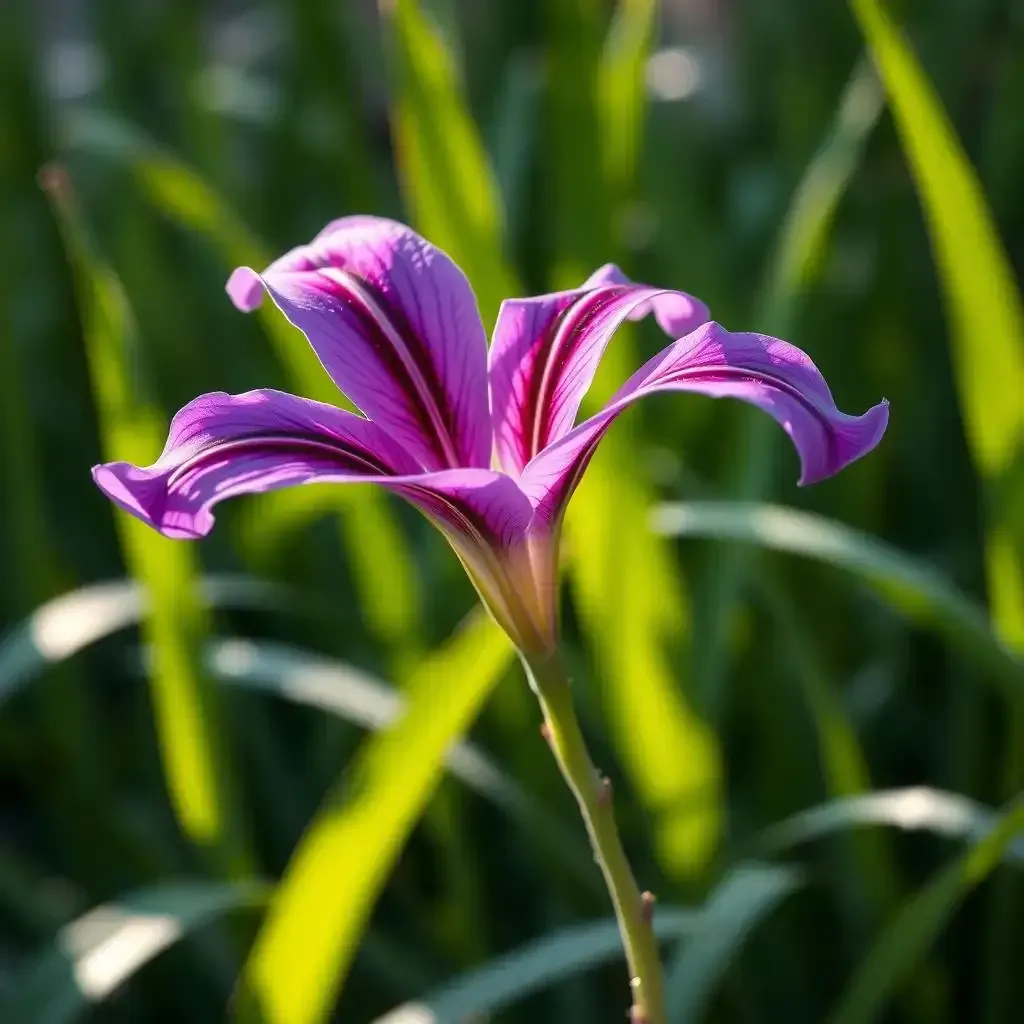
<point x="604" y="791"/>
<point x="647" y="901"/>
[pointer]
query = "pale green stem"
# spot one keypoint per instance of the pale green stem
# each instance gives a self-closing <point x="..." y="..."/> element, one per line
<point x="593" y="794"/>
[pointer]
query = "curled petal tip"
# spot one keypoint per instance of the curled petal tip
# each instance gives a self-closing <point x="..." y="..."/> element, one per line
<point x="853" y="440"/>
<point x="245" y="289"/>
<point x="113" y="479"/>
<point x="142" y="494"/>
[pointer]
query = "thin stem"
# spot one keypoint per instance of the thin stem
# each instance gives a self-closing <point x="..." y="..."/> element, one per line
<point x="633" y="909"/>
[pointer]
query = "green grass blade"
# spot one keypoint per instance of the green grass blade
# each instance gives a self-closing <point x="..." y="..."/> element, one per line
<point x="538" y="965"/>
<point x="907" y="939"/>
<point x="370" y="531"/>
<point x="909" y="587"/>
<point x="344" y="690"/>
<point x="61" y="628"/>
<point x="986" y="314"/>
<point x="445" y="175"/>
<point x="621" y="92"/>
<point x="918" y="808"/>
<point x="795" y="264"/>
<point x="629" y="592"/>
<point x="978" y="281"/>
<point x="304" y="951"/>
<point x="744" y="898"/>
<point x="98" y="952"/>
<point x="631" y="601"/>
<point x="192" y="743"/>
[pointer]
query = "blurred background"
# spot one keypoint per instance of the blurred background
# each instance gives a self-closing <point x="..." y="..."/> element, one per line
<point x="809" y="701"/>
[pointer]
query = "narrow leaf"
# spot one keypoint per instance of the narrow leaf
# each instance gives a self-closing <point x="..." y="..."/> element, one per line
<point x="747" y="895"/>
<point x="59" y="629"/>
<point x="446" y="178"/>
<point x="303" y="953"/>
<point x="538" y="965"/>
<point x="910" y="587"/>
<point x="98" y="952"/>
<point x="344" y="690"/>
<point x="918" y="808"/>
<point x="132" y="428"/>
<point x="905" y="942"/>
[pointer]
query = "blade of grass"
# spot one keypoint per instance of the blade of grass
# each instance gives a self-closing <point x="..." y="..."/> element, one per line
<point x="302" y="955"/>
<point x="343" y="690"/>
<point x="795" y="263"/>
<point x="907" y="939"/>
<point x="916" y="808"/>
<point x="986" y="314"/>
<point x="446" y="178"/>
<point x="622" y="93"/>
<point x="628" y="590"/>
<point x="744" y="898"/>
<point x="910" y="587"/>
<point x="66" y="625"/>
<point x="382" y="565"/>
<point x="98" y="952"/>
<point x="193" y="743"/>
<point x="538" y="965"/>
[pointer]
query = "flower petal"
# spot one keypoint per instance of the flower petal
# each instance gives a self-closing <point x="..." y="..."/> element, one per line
<point x="771" y="374"/>
<point x="396" y="325"/>
<point x="222" y="445"/>
<point x="546" y="350"/>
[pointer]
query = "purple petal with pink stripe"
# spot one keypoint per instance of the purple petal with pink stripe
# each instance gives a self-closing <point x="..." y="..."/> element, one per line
<point x="771" y="374"/>
<point x="546" y="350"/>
<point x="396" y="325"/>
<point x="221" y="445"/>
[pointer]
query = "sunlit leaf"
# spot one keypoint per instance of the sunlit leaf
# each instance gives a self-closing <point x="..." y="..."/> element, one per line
<point x="918" y="808"/>
<point x="133" y="428"/>
<point x="986" y="313"/>
<point x="344" y="690"/>
<point x="305" y="949"/>
<point x="909" y="586"/>
<point x="907" y="939"/>
<point x="745" y="897"/>
<point x="533" y="967"/>
<point x="444" y="172"/>
<point x="98" y="952"/>
<point x="61" y="628"/>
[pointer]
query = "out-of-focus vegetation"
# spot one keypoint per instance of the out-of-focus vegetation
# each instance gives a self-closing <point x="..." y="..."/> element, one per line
<point x="814" y="718"/>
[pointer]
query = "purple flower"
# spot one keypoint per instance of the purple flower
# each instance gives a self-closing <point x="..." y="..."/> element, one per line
<point x="485" y="446"/>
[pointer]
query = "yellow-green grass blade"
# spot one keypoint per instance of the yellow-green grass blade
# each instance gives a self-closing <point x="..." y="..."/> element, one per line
<point x="94" y="955"/>
<point x="444" y="172"/>
<point x="628" y="589"/>
<point x="369" y="528"/>
<point x="621" y="99"/>
<point x="981" y="294"/>
<point x="986" y="315"/>
<point x="909" y="586"/>
<point x="795" y="264"/>
<point x="302" y="955"/>
<point x="909" y="936"/>
<point x="193" y="744"/>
